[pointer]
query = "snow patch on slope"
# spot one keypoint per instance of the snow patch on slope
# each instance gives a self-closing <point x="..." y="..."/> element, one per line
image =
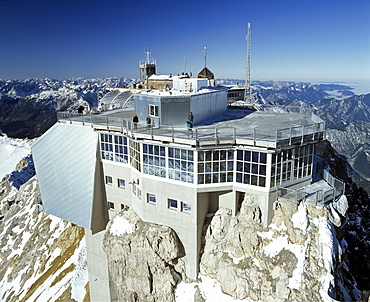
<point x="12" y="151"/>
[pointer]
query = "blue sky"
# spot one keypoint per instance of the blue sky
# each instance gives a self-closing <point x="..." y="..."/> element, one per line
<point x="316" y="40"/>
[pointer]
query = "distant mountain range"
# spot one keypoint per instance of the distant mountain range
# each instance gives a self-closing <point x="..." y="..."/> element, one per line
<point x="28" y="107"/>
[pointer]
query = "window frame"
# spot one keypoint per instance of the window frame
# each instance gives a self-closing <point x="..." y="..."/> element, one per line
<point x="183" y="208"/>
<point x="153" y="110"/>
<point x="108" y="180"/>
<point x="148" y="199"/>
<point x="119" y="183"/>
<point x="169" y="204"/>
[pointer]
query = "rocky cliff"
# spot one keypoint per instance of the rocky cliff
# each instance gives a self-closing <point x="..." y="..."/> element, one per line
<point x="43" y="258"/>
<point x="299" y="257"/>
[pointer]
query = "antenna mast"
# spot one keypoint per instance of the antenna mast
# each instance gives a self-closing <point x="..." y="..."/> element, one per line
<point x="205" y="55"/>
<point x="247" y="87"/>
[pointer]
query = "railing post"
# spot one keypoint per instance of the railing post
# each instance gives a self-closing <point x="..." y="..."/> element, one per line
<point x="234" y="133"/>
<point x="107" y="124"/>
<point x="216" y="134"/>
<point x="276" y="136"/>
<point x="291" y="134"/>
<point x="302" y="135"/>
<point x="254" y="136"/>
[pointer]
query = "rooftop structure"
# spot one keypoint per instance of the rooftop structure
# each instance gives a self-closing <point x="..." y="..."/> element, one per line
<point x="147" y="66"/>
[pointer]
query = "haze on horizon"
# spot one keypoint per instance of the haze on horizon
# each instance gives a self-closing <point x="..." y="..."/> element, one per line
<point x="291" y="40"/>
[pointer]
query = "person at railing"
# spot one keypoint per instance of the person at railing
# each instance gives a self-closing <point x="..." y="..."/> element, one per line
<point x="135" y="120"/>
<point x="191" y="118"/>
<point x="148" y="122"/>
<point x="189" y="125"/>
<point x="80" y="109"/>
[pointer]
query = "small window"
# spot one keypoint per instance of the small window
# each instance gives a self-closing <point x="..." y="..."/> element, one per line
<point x="108" y="180"/>
<point x="172" y="203"/>
<point x="153" y="110"/>
<point x="110" y="205"/>
<point x="151" y="198"/>
<point x="121" y="183"/>
<point x="186" y="207"/>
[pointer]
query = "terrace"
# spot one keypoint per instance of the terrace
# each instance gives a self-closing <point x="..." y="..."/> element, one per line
<point x="260" y="129"/>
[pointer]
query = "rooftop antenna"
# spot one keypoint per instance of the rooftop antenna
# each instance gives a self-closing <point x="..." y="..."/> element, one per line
<point x="185" y="63"/>
<point x="247" y="87"/>
<point x="148" y="56"/>
<point x="205" y="55"/>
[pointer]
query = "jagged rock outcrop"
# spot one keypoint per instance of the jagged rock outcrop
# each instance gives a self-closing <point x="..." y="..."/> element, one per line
<point x="297" y="258"/>
<point x="142" y="258"/>
<point x="43" y="257"/>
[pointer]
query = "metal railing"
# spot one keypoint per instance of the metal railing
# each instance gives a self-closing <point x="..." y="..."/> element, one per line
<point x="317" y="197"/>
<point x="289" y="135"/>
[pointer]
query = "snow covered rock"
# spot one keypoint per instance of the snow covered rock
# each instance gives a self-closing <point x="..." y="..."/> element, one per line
<point x="43" y="257"/>
<point x="141" y="258"/>
<point x="297" y="258"/>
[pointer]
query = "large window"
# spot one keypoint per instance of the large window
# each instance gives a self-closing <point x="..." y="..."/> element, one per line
<point x="106" y="143"/>
<point x="135" y="154"/>
<point x="120" y="149"/>
<point x="289" y="165"/>
<point x="114" y="147"/>
<point x="181" y="164"/>
<point x="215" y="166"/>
<point x="251" y="168"/>
<point x="154" y="160"/>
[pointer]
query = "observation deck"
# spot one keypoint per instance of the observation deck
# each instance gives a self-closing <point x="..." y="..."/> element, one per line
<point x="259" y="129"/>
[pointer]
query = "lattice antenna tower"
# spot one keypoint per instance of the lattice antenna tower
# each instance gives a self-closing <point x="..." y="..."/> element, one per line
<point x="148" y="56"/>
<point x="247" y="88"/>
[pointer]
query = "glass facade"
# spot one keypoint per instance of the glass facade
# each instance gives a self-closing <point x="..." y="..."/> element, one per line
<point x="135" y="154"/>
<point x="154" y="160"/>
<point x="181" y="164"/>
<point x="251" y="168"/>
<point x="114" y="147"/>
<point x="120" y="149"/>
<point x="292" y="164"/>
<point x="106" y="146"/>
<point x="215" y="166"/>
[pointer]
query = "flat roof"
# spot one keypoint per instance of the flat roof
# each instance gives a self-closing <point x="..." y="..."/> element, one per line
<point x="182" y="92"/>
<point x="235" y="126"/>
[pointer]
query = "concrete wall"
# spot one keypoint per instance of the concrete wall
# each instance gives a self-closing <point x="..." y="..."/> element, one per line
<point x="97" y="266"/>
<point x="184" y="224"/>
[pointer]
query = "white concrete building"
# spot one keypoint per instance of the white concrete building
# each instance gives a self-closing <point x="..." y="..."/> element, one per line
<point x="90" y="167"/>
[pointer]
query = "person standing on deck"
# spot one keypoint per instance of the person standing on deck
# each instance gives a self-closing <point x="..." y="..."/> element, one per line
<point x="148" y="122"/>
<point x="135" y="120"/>
<point x="191" y="118"/>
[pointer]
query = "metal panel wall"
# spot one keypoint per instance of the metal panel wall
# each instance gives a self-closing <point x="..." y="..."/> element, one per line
<point x="175" y="110"/>
<point x="208" y="105"/>
<point x="142" y="103"/>
<point x="65" y="162"/>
